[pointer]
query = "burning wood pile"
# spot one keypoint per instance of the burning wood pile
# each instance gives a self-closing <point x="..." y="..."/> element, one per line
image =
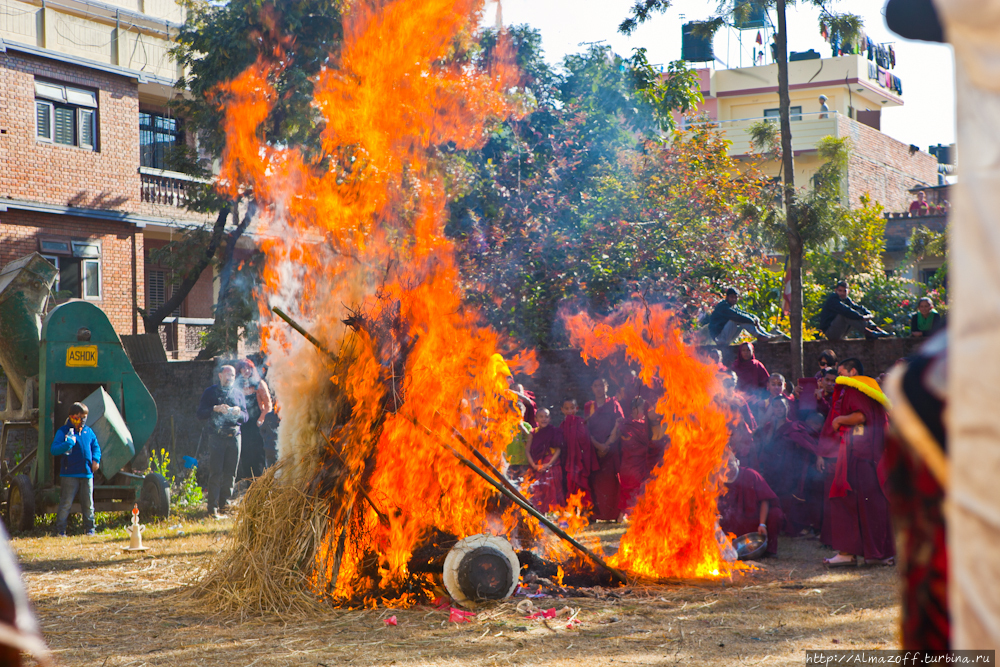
<point x="378" y="477"/>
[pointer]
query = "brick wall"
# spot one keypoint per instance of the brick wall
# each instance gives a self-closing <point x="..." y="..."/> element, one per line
<point x="19" y="232"/>
<point x="106" y="178"/>
<point x="176" y="387"/>
<point x="883" y="167"/>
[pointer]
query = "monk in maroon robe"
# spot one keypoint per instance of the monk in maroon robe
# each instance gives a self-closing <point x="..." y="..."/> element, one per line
<point x="741" y="440"/>
<point x="636" y="447"/>
<point x="581" y="457"/>
<point x="750" y="506"/>
<point x="750" y="373"/>
<point x="545" y="454"/>
<point x="604" y="416"/>
<point x="858" y="505"/>
<point x="791" y="466"/>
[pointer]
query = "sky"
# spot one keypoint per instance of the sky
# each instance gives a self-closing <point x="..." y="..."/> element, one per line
<point x="926" y="118"/>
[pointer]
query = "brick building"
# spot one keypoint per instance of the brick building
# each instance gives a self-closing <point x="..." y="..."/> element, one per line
<point x="84" y="128"/>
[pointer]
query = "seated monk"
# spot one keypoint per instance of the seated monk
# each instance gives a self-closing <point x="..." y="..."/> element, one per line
<point x="545" y="447"/>
<point x="749" y="505"/>
<point x="636" y="447"/>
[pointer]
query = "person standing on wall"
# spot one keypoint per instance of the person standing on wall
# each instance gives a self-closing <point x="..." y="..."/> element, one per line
<point x="224" y="405"/>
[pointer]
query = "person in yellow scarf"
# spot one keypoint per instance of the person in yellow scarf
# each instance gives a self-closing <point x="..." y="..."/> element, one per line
<point x="859" y="509"/>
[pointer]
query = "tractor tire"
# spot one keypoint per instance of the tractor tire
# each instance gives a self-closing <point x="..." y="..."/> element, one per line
<point x="154" y="498"/>
<point x="20" y="505"/>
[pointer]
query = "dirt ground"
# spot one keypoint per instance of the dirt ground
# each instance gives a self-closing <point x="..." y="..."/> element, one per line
<point x="99" y="605"/>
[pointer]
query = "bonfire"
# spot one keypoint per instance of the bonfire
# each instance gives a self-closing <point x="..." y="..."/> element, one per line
<point x="374" y="479"/>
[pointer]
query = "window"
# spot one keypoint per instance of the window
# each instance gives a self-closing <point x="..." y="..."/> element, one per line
<point x="795" y="113"/>
<point x="65" y="115"/>
<point x="157" y="291"/>
<point x="79" y="267"/>
<point x="157" y="135"/>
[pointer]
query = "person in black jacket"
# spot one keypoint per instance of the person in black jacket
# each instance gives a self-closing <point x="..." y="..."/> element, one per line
<point x="225" y="406"/>
<point x="840" y="314"/>
<point x="728" y="320"/>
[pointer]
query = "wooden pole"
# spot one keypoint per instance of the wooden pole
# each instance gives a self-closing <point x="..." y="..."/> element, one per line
<point x="308" y="336"/>
<point x="597" y="560"/>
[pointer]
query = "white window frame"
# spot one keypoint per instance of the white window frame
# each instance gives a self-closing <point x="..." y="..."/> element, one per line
<point x="84" y="283"/>
<point x="52" y="113"/>
<point x="55" y="261"/>
<point x="82" y="102"/>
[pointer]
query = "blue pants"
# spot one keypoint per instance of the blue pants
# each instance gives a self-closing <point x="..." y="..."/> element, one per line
<point x="70" y="487"/>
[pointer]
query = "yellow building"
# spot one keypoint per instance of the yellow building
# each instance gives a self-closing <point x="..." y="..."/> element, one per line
<point x="856" y="91"/>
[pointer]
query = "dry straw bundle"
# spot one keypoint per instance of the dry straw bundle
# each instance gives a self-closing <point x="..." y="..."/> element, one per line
<point x="267" y="562"/>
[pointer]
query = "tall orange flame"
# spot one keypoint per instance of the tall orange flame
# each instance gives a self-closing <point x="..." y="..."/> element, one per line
<point x="362" y="235"/>
<point x="673" y="526"/>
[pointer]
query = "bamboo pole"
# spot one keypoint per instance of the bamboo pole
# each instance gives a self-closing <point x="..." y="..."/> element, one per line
<point x="489" y="465"/>
<point x="308" y="336"/>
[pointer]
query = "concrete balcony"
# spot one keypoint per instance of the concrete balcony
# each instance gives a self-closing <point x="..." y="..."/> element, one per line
<point x="807" y="131"/>
<point x="165" y="188"/>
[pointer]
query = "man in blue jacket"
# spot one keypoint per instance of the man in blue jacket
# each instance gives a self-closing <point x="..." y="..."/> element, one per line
<point x="226" y="407"/>
<point x="81" y="457"/>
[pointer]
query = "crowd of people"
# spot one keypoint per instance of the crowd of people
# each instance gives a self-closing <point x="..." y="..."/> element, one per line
<point x="602" y="454"/>
<point x="801" y="461"/>
<point x="805" y="461"/>
<point x="839" y="316"/>
<point x="240" y="436"/>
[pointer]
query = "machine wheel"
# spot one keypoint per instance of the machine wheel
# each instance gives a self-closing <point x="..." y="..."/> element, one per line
<point x="20" y="505"/>
<point x="154" y="499"/>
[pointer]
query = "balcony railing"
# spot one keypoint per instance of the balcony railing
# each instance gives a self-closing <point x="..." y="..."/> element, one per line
<point x="165" y="188"/>
<point x="807" y="129"/>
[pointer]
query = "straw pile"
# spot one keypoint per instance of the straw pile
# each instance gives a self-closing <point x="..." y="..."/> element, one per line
<point x="267" y="562"/>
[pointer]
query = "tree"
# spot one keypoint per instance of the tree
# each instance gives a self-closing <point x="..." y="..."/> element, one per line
<point x="218" y="42"/>
<point x="844" y="27"/>
<point x="585" y="198"/>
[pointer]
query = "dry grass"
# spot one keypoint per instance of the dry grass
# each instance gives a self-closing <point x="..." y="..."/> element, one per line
<point x="98" y="605"/>
<point x="264" y="564"/>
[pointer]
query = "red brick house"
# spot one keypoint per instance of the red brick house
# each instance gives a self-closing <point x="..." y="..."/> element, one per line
<point x="84" y="125"/>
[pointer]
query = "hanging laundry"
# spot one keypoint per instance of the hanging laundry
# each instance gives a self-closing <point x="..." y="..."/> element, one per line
<point x="760" y="40"/>
<point x="892" y="57"/>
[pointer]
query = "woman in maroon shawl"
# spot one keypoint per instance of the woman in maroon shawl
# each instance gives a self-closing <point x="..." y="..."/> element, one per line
<point x="858" y="505"/>
<point x="581" y="458"/>
<point x="604" y="418"/>
<point x="751" y="375"/>
<point x="545" y="453"/>
<point x="636" y="447"/>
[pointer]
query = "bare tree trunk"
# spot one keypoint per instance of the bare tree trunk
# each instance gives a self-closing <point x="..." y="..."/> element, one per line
<point x="225" y="279"/>
<point x="152" y="321"/>
<point x="788" y="170"/>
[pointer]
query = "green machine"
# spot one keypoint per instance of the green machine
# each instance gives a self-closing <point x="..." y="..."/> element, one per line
<point x="78" y="357"/>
